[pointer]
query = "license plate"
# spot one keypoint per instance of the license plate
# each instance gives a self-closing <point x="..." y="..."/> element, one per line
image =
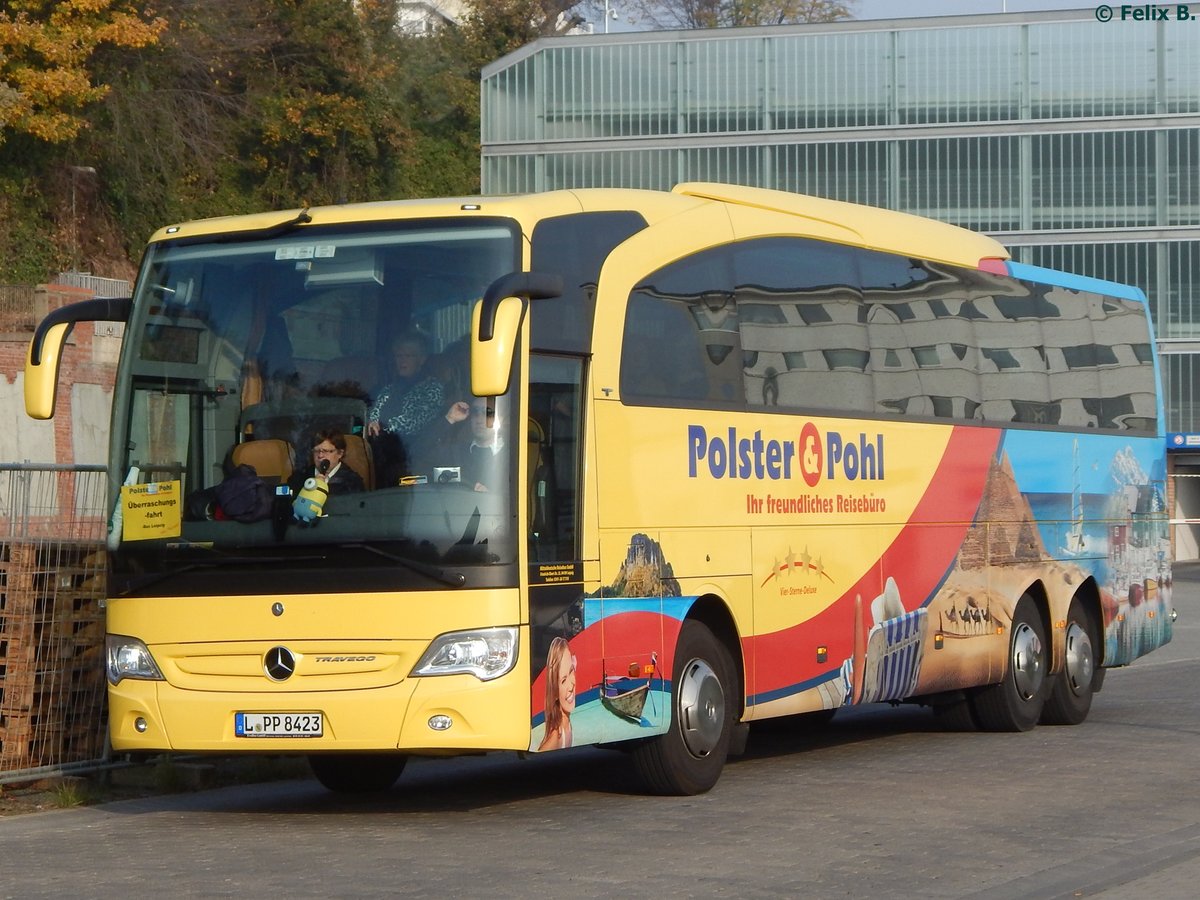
<point x="269" y="725"/>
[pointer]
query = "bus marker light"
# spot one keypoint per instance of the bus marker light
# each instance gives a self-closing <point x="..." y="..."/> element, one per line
<point x="822" y="654"/>
<point x="440" y="722"/>
<point x="939" y="641"/>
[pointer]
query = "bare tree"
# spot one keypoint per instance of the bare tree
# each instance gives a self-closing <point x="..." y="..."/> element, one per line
<point x="732" y="13"/>
<point x="537" y="17"/>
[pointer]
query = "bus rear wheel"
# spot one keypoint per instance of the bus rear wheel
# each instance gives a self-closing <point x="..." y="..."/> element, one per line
<point x="688" y="758"/>
<point x="1072" y="689"/>
<point x="357" y="773"/>
<point x="1015" y="704"/>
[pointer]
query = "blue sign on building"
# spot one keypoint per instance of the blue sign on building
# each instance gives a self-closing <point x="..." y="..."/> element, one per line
<point x="1183" y="440"/>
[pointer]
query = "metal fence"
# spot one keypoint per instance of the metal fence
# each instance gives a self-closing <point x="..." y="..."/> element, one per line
<point x="17" y="308"/>
<point x="53" y="716"/>
<point x="98" y="285"/>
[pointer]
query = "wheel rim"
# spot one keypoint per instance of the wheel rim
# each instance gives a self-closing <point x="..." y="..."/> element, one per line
<point x="1079" y="659"/>
<point x="1027" y="666"/>
<point x="701" y="708"/>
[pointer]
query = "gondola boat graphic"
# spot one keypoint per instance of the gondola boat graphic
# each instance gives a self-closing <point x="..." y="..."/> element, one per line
<point x="625" y="695"/>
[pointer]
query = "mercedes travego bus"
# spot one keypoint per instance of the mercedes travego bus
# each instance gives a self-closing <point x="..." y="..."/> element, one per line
<point x="748" y="454"/>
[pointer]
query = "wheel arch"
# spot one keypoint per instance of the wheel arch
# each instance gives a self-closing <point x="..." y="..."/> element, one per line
<point x="711" y="611"/>
<point x="1054" y="607"/>
<point x="1036" y="591"/>
<point x="1088" y="595"/>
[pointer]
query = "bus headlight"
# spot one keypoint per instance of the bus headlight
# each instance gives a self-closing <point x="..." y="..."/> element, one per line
<point x="486" y="653"/>
<point x="129" y="658"/>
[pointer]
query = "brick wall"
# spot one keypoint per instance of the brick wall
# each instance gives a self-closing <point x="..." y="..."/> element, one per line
<point x="85" y="377"/>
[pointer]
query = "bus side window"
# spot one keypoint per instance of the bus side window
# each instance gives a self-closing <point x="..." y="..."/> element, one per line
<point x="682" y="340"/>
<point x="660" y="356"/>
<point x="803" y="328"/>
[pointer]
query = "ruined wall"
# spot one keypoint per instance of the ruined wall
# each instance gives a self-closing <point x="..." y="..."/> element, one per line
<point x="78" y="433"/>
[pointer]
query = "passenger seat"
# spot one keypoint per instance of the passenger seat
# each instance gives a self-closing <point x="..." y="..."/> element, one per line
<point x="273" y="459"/>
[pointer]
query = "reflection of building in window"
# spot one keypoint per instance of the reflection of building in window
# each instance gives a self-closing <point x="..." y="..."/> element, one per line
<point x="681" y="334"/>
<point x="829" y="327"/>
<point x="815" y="344"/>
<point x="660" y="358"/>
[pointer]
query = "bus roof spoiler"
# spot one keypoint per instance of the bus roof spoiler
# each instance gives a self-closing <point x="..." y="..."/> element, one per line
<point x="530" y="285"/>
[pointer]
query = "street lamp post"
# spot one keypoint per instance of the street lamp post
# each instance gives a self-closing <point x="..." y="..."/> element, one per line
<point x="608" y="14"/>
<point x="76" y="171"/>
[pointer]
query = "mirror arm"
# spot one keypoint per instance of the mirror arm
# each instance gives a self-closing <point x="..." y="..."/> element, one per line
<point x="102" y="309"/>
<point x="530" y="285"/>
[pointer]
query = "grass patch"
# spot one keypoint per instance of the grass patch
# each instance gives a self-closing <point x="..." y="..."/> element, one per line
<point x="71" y="792"/>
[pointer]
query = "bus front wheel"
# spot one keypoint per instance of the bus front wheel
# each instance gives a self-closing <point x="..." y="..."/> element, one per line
<point x="357" y="773"/>
<point x="688" y="758"/>
<point x="1071" y="692"/>
<point x="1015" y="704"/>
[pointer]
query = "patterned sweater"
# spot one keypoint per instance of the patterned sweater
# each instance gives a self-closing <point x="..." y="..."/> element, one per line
<point x="405" y="408"/>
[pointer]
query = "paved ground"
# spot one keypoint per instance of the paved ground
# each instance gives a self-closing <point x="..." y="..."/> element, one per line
<point x="881" y="803"/>
<point x="153" y="778"/>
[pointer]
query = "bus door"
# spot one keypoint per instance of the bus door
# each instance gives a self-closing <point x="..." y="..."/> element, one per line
<point x="554" y="437"/>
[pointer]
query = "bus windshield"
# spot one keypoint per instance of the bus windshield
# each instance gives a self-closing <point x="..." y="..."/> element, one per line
<point x="304" y="397"/>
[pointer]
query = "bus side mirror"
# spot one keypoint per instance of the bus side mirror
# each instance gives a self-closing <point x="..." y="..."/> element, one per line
<point x="45" y="348"/>
<point x="41" y="371"/>
<point x="496" y="324"/>
<point x="492" y="359"/>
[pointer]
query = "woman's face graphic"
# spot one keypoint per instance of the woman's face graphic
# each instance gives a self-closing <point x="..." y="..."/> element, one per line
<point x="566" y="685"/>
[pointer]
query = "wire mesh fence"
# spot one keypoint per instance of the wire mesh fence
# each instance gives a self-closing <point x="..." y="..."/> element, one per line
<point x="52" y="571"/>
<point x="18" y="310"/>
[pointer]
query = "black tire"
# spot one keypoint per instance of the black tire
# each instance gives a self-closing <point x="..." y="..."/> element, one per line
<point x="357" y="773"/>
<point x="688" y="758"/>
<point x="1072" y="689"/>
<point x="1015" y="704"/>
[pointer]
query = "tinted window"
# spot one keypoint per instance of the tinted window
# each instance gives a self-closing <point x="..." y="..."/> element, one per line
<point x="574" y="247"/>
<point x="914" y="312"/>
<point x="811" y="351"/>
<point x="681" y="334"/>
<point x="821" y="326"/>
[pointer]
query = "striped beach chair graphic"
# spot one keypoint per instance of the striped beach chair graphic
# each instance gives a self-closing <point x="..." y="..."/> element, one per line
<point x="890" y="659"/>
<point x="894" y="651"/>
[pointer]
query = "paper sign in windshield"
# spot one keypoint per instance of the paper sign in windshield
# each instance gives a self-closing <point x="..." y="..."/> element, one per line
<point x="151" y="511"/>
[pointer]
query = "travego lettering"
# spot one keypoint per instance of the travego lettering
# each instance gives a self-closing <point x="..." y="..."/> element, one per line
<point x="732" y="455"/>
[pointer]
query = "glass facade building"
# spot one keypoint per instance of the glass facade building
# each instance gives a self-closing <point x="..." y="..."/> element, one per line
<point x="1074" y="142"/>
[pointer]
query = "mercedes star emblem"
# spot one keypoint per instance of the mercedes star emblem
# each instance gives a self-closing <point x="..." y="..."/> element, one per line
<point x="279" y="663"/>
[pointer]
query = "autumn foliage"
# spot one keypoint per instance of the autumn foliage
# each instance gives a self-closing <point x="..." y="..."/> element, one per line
<point x="46" y="51"/>
<point x="119" y="116"/>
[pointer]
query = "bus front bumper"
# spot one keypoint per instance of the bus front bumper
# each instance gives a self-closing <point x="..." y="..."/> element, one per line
<point x="442" y="714"/>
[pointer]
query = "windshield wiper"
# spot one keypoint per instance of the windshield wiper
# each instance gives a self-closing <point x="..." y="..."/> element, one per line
<point x="453" y="579"/>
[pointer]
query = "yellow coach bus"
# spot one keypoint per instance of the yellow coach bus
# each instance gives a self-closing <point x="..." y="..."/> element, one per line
<point x="613" y="467"/>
